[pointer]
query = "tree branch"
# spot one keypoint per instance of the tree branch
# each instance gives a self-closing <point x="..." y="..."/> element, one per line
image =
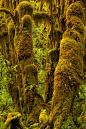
<point x="7" y="12"/>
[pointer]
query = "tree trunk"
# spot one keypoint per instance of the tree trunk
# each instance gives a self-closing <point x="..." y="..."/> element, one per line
<point x="69" y="70"/>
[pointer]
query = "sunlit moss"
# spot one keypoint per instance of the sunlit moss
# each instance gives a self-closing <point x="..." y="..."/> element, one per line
<point x="43" y="117"/>
<point x="14" y="116"/>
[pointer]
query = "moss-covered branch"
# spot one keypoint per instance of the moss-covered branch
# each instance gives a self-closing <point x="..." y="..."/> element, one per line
<point x="6" y="11"/>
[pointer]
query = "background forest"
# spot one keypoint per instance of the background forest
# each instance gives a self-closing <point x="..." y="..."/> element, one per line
<point x="43" y="64"/>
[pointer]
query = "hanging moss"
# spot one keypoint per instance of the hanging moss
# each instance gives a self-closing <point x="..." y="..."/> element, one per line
<point x="6" y="4"/>
<point x="11" y="31"/>
<point x="24" y="8"/>
<point x="2" y="3"/>
<point x="73" y="34"/>
<point x="29" y="98"/>
<point x="57" y="34"/>
<point x="25" y="46"/>
<point x="13" y="58"/>
<point x="27" y="23"/>
<point x="41" y="18"/>
<point x="38" y="106"/>
<point x="31" y="69"/>
<point x="76" y="9"/>
<point x="76" y="23"/>
<point x="53" y="55"/>
<point x="69" y="44"/>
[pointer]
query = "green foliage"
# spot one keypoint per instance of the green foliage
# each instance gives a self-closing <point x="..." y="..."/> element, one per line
<point x="40" y="52"/>
<point x="80" y="100"/>
<point x="69" y="124"/>
<point x="50" y="102"/>
<point x="1" y="123"/>
<point x="41" y="80"/>
<point x="4" y="79"/>
<point x="39" y="45"/>
<point x="79" y="105"/>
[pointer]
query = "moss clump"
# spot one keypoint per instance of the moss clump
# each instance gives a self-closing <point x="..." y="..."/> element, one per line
<point x="41" y="17"/>
<point x="76" y="23"/>
<point x="53" y="55"/>
<point x="76" y="9"/>
<point x="37" y="108"/>
<point x="30" y="78"/>
<point x="34" y="115"/>
<point x="73" y="34"/>
<point x="43" y="118"/>
<point x="24" y="8"/>
<point x="70" y="45"/>
<point x="57" y="34"/>
<point x="27" y="23"/>
<point x="31" y="69"/>
<point x="25" y="46"/>
<point x="69" y="73"/>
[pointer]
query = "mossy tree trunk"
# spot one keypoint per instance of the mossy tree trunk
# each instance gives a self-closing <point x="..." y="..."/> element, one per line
<point x="23" y="89"/>
<point x="69" y="70"/>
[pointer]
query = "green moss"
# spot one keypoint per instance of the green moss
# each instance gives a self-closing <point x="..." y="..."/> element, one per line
<point x="41" y="18"/>
<point x="39" y="106"/>
<point x="34" y="126"/>
<point x="32" y="69"/>
<point x="76" y="10"/>
<point x="43" y="118"/>
<point x="69" y="124"/>
<point x="75" y="23"/>
<point x="70" y="45"/>
<point x="14" y="116"/>
<point x="27" y="23"/>
<point x="57" y="34"/>
<point x="24" y="8"/>
<point x="11" y="31"/>
<point x="73" y="34"/>
<point x="53" y="55"/>
<point x="25" y="46"/>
